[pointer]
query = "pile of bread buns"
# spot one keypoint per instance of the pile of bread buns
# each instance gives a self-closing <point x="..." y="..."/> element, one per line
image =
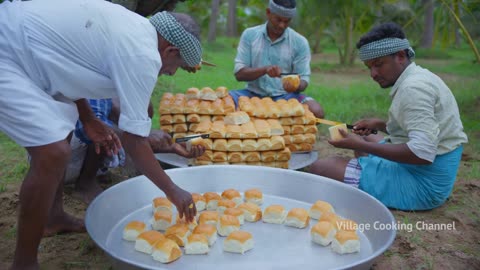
<point x="223" y="215"/>
<point x="261" y="132"/>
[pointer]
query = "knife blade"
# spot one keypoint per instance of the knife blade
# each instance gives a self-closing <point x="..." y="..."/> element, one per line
<point x="288" y="73"/>
<point x="187" y="138"/>
<point x="334" y="123"/>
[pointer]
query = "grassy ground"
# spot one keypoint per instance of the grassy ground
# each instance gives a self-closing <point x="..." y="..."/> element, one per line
<point x="347" y="94"/>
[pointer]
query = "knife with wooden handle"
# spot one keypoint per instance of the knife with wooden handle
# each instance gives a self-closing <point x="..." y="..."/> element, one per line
<point x="334" y="123"/>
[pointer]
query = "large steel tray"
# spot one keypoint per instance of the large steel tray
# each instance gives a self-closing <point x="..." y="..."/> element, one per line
<point x="276" y="246"/>
<point x="297" y="161"/>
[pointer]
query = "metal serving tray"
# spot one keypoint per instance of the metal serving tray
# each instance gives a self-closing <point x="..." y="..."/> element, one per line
<point x="297" y="161"/>
<point x="276" y="246"/>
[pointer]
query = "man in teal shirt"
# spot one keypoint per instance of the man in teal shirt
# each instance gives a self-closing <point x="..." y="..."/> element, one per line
<point x="265" y="51"/>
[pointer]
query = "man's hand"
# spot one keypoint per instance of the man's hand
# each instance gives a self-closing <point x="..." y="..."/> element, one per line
<point x="364" y="127"/>
<point x="181" y="150"/>
<point x="349" y="141"/>
<point x="184" y="202"/>
<point x="161" y="142"/>
<point x="273" y="71"/>
<point x="104" y="138"/>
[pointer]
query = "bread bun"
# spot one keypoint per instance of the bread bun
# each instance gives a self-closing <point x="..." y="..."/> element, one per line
<point x="323" y="233"/>
<point x="234" y="195"/>
<point x="197" y="243"/>
<point x="236" y="212"/>
<point x="252" y="156"/>
<point x="192" y="93"/>
<point x="249" y="145"/>
<point x="330" y="217"/>
<point x="237" y="118"/>
<point x="319" y="208"/>
<point x="227" y="224"/>
<point x="178" y="233"/>
<point x="224" y="204"/>
<point x="166" y="119"/>
<point x="335" y="133"/>
<point x="233" y="132"/>
<point x="166" y="251"/>
<point x="275" y="214"/>
<point x="208" y="217"/>
<point x="238" y="242"/>
<point x="254" y="195"/>
<point x="191" y="225"/>
<point x="346" y="242"/>
<point x="268" y="156"/>
<point x="275" y="127"/>
<point x="297" y="217"/>
<point x="200" y="202"/>
<point x="212" y="199"/>
<point x="161" y="204"/>
<point x="251" y="211"/>
<point x="235" y="157"/>
<point x="209" y="230"/>
<point x="161" y="220"/>
<point x="191" y="107"/>
<point x="234" y="145"/>
<point x="207" y="93"/>
<point x="146" y="240"/>
<point x="221" y="92"/>
<point x="133" y="229"/>
<point x="291" y="82"/>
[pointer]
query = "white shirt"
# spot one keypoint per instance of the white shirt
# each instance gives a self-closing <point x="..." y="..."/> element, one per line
<point x="424" y="114"/>
<point x="92" y="49"/>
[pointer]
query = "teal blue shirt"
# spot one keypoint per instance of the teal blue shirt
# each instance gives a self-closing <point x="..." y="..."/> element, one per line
<point x="290" y="52"/>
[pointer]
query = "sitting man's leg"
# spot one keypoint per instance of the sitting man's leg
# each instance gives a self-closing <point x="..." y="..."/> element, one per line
<point x="236" y="94"/>
<point x="332" y="167"/>
<point x="86" y="186"/>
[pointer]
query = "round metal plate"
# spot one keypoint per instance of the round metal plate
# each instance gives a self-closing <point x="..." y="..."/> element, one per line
<point x="276" y="246"/>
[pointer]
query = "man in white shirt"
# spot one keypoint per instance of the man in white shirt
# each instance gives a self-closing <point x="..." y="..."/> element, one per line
<point x="56" y="52"/>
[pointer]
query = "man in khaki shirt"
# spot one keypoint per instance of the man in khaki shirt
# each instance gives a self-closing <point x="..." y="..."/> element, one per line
<point x="414" y="168"/>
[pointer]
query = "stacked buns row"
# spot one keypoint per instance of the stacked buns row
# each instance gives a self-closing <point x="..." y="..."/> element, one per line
<point x="211" y="103"/>
<point x="223" y="215"/>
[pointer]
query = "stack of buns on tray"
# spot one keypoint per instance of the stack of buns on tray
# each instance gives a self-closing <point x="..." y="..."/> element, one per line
<point x="223" y="215"/>
<point x="261" y="132"/>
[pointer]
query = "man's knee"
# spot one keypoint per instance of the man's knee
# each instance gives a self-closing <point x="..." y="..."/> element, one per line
<point x="55" y="155"/>
<point x="318" y="167"/>
<point x="316" y="109"/>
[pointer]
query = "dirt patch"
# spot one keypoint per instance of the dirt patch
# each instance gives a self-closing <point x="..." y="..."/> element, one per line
<point x="419" y="248"/>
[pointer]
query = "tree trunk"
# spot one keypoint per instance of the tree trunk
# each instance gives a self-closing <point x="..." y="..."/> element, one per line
<point x="427" y="36"/>
<point x="232" y="18"/>
<point x="212" y="26"/>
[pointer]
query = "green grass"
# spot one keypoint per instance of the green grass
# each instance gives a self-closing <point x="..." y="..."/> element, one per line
<point x="346" y="94"/>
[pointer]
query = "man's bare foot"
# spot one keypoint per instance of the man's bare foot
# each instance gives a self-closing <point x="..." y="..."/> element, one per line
<point x="64" y="224"/>
<point x="87" y="194"/>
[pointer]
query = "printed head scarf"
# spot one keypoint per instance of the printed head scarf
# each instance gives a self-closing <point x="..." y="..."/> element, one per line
<point x="384" y="47"/>
<point x="171" y="30"/>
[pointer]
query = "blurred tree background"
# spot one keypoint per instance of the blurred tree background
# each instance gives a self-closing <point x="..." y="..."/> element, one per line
<point x="432" y="26"/>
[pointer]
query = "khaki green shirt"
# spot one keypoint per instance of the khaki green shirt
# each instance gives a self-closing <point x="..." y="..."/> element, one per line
<point x="423" y="104"/>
